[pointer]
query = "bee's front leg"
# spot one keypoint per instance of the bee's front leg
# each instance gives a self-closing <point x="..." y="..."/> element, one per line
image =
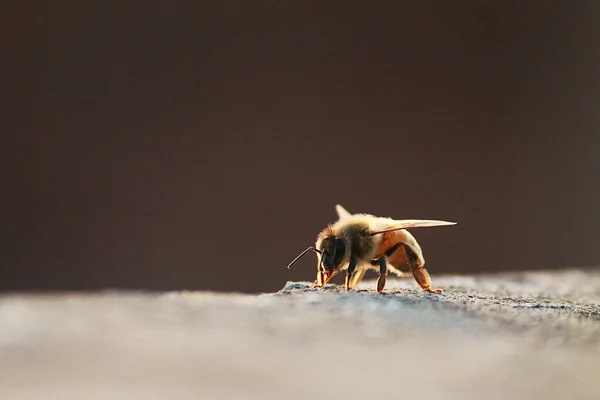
<point x="321" y="279"/>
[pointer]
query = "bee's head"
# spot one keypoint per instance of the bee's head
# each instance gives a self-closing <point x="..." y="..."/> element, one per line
<point x="333" y="253"/>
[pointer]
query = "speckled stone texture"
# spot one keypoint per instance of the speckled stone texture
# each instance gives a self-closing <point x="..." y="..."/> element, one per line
<point x="507" y="336"/>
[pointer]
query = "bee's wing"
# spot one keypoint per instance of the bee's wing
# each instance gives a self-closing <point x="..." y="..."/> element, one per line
<point x="411" y="224"/>
<point x="341" y="211"/>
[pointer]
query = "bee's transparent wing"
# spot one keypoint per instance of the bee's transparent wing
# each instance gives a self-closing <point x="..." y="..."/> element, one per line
<point x="411" y="224"/>
<point x="341" y="211"/>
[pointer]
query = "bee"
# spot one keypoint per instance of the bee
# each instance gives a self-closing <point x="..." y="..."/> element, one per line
<point x="359" y="242"/>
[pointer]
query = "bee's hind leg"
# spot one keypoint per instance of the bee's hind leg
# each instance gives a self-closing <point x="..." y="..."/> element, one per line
<point x="419" y="272"/>
<point x="382" y="274"/>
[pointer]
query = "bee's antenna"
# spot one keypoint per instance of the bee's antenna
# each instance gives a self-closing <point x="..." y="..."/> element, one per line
<point x="301" y="254"/>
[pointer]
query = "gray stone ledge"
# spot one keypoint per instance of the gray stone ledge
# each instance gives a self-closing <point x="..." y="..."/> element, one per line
<point x="518" y="336"/>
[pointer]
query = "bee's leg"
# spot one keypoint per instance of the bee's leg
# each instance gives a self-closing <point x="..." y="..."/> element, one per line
<point x="320" y="280"/>
<point x="358" y="275"/>
<point x="419" y="272"/>
<point x="383" y="266"/>
<point x="382" y="274"/>
<point x="350" y="272"/>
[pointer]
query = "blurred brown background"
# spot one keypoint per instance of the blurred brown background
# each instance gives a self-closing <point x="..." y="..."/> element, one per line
<point x="202" y="145"/>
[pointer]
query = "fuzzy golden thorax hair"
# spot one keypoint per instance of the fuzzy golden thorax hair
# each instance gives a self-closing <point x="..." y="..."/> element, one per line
<point x="348" y="237"/>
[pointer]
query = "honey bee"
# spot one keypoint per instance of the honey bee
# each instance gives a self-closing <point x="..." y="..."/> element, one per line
<point x="359" y="242"/>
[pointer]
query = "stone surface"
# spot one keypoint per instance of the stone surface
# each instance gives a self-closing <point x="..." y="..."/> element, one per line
<point x="518" y="336"/>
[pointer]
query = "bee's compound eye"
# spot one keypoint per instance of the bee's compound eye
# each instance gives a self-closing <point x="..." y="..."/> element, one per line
<point x="322" y="258"/>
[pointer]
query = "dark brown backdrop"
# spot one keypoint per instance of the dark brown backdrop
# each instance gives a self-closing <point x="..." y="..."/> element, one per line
<point x="169" y="145"/>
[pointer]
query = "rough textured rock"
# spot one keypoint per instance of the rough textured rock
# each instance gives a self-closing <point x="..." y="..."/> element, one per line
<point x="518" y="336"/>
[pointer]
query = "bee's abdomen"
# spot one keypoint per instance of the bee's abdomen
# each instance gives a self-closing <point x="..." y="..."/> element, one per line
<point x="399" y="258"/>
